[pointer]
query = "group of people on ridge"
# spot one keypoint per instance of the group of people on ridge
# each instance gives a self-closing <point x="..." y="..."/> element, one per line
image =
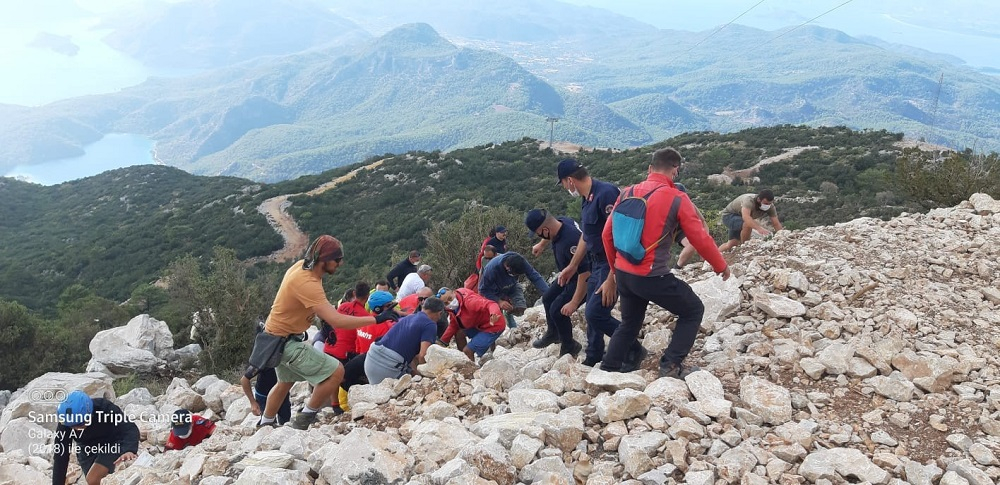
<point x="615" y="253"/>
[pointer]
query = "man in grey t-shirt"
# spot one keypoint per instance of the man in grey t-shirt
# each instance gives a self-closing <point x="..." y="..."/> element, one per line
<point x="742" y="214"/>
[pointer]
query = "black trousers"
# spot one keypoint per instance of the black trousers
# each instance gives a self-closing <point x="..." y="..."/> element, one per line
<point x="553" y="301"/>
<point x="354" y="372"/>
<point x="635" y="294"/>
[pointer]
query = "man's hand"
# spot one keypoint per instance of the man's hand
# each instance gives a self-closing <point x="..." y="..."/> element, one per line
<point x="566" y="274"/>
<point x="128" y="456"/>
<point x="255" y="408"/>
<point x="725" y="274"/>
<point x="506" y="306"/>
<point x="494" y="318"/>
<point x="608" y="292"/>
<point x="569" y="308"/>
<point x="761" y="230"/>
<point x="538" y="248"/>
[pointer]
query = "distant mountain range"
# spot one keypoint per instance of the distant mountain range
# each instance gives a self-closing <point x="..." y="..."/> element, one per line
<point x="502" y="71"/>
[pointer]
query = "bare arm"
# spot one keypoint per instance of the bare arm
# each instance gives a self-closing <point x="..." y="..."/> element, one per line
<point x="539" y="247"/>
<point x="749" y="221"/>
<point x="776" y="223"/>
<point x="578" y="296"/>
<point x="570" y="269"/>
<point x="335" y="319"/>
<point x="248" y="392"/>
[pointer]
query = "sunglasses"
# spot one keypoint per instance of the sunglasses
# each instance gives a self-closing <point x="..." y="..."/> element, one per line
<point x="421" y="298"/>
<point x="338" y="260"/>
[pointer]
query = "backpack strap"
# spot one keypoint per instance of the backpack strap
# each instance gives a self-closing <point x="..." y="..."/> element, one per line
<point x="675" y="207"/>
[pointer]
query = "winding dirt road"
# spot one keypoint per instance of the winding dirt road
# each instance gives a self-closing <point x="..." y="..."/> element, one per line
<point x="275" y="210"/>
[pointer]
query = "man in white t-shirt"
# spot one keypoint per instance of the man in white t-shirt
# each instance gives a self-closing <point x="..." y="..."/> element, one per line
<point x="414" y="282"/>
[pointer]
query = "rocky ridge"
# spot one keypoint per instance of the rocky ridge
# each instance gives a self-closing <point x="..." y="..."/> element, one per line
<point x="861" y="352"/>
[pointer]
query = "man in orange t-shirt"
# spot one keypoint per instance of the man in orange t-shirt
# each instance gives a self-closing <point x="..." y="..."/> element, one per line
<point x="301" y="297"/>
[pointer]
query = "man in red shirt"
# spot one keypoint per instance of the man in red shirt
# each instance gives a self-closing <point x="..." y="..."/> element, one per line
<point x="667" y="210"/>
<point x="345" y="339"/>
<point x="473" y="316"/>
<point x="188" y="430"/>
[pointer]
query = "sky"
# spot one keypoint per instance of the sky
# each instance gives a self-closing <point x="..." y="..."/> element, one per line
<point x="968" y="29"/>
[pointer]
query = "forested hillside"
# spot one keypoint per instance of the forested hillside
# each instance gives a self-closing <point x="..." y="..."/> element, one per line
<point x="70" y="253"/>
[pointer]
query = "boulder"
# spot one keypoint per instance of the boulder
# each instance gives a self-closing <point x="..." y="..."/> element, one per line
<point x="770" y="401"/>
<point x="635" y="451"/>
<point x="492" y="460"/>
<point x="27" y="436"/>
<point x="777" y="306"/>
<point x="528" y="400"/>
<point x="440" y="441"/>
<point x="365" y="456"/>
<point x="721" y="298"/>
<point x="141" y="346"/>
<point x="441" y="359"/>
<point x="622" y="405"/>
<point x="41" y="397"/>
<point x="600" y="380"/>
<point x="838" y="464"/>
<point x="256" y="475"/>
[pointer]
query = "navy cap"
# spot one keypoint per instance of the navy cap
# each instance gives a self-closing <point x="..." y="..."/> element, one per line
<point x="500" y="229"/>
<point x="566" y="168"/>
<point x="181" y="423"/>
<point x="535" y="218"/>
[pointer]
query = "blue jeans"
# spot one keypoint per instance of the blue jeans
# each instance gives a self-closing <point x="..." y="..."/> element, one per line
<point x="480" y="341"/>
<point x="553" y="301"/>
<point x="599" y="319"/>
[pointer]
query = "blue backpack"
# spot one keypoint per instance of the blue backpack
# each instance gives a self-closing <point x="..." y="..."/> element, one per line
<point x="628" y="220"/>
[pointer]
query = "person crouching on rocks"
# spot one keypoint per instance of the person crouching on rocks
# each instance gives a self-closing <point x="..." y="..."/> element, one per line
<point x="98" y="432"/>
<point x="405" y="345"/>
<point x="475" y="318"/>
<point x="188" y="429"/>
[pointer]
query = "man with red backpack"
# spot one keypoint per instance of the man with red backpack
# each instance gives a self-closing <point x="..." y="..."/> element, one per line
<point x="640" y="271"/>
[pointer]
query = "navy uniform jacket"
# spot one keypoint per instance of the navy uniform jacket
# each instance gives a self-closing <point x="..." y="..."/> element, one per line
<point x="564" y="245"/>
<point x="596" y="209"/>
<point x="496" y="283"/>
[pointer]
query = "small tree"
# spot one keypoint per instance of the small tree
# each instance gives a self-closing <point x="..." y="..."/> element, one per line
<point x="452" y="247"/>
<point x="229" y="303"/>
<point x="947" y="180"/>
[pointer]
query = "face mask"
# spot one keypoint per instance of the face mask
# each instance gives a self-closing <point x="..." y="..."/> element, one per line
<point x="573" y="193"/>
<point x="453" y="306"/>
<point x="765" y="207"/>
<point x="545" y="234"/>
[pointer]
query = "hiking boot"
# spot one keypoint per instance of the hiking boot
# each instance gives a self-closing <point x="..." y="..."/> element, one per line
<point x="337" y="410"/>
<point x="633" y="361"/>
<point x="545" y="341"/>
<point x="573" y="349"/>
<point x="302" y="420"/>
<point x="591" y="361"/>
<point x="677" y="371"/>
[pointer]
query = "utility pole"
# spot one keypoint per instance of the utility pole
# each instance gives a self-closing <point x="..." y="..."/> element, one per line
<point x="552" y="127"/>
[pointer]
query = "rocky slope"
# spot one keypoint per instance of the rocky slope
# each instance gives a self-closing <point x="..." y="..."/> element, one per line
<point x="862" y="352"/>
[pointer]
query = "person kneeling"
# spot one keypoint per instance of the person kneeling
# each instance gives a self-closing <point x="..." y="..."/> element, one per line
<point x="405" y="345"/>
<point x="476" y="317"/>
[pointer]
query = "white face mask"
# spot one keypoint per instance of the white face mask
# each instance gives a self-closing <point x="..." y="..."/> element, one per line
<point x="765" y="207"/>
<point x="453" y="306"/>
<point x="573" y="193"/>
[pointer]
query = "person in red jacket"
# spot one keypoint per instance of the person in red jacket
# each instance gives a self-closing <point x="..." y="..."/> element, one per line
<point x="667" y="210"/>
<point x="344" y="340"/>
<point x="474" y="317"/>
<point x="188" y="430"/>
